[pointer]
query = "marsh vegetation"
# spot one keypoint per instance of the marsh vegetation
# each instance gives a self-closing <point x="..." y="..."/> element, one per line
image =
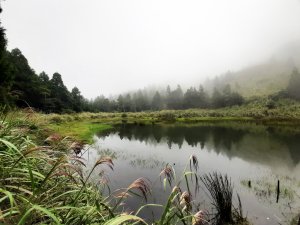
<point x="224" y="151"/>
<point x="44" y="180"/>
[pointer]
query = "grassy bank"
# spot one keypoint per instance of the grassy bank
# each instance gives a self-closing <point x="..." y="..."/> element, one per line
<point x="80" y="130"/>
<point x="82" y="126"/>
<point x="260" y="109"/>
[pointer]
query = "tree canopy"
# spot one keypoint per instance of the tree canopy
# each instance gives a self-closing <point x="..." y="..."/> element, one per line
<point x="21" y="86"/>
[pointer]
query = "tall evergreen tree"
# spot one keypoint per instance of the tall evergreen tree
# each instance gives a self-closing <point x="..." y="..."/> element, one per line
<point x="157" y="102"/>
<point x="191" y="98"/>
<point x="175" y="98"/>
<point x="203" y="98"/>
<point x="60" y="95"/>
<point x="127" y="103"/>
<point x="76" y="99"/>
<point x="25" y="82"/>
<point x="120" y="101"/>
<point x="217" y="99"/>
<point x="141" y="102"/>
<point x="293" y="88"/>
<point x="6" y="79"/>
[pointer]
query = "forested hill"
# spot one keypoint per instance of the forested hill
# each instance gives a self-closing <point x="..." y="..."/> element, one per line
<point x="263" y="79"/>
<point x="21" y="86"/>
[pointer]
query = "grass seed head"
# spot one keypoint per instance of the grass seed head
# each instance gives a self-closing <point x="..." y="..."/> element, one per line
<point x="199" y="218"/>
<point x="142" y="185"/>
<point x="168" y="173"/>
<point x="105" y="160"/>
<point x="122" y="194"/>
<point x="53" y="138"/>
<point x="76" y="147"/>
<point x="185" y="201"/>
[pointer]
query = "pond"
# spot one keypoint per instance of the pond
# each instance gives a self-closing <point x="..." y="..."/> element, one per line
<point x="254" y="156"/>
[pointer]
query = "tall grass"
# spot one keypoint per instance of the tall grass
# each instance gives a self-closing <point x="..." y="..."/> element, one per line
<point x="45" y="183"/>
<point x="220" y="189"/>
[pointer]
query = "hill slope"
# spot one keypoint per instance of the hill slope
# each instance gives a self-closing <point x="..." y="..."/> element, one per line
<point x="263" y="79"/>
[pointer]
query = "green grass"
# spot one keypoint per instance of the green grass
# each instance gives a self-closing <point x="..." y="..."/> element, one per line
<point x="82" y="126"/>
<point x="46" y="184"/>
<point x="79" y="130"/>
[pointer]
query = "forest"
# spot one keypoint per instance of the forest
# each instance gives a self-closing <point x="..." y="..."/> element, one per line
<point x="21" y="86"/>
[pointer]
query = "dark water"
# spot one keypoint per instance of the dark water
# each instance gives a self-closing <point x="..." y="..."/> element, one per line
<point x="245" y="152"/>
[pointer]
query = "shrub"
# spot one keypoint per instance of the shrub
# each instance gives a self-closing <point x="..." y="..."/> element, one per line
<point x="168" y="117"/>
<point x="270" y="104"/>
<point x="56" y="119"/>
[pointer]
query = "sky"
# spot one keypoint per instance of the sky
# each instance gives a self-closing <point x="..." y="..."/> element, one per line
<point x="113" y="46"/>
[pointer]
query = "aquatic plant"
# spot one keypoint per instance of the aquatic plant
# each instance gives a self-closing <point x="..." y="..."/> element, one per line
<point x="220" y="189"/>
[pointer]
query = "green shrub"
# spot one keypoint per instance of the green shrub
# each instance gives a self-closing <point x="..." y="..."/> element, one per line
<point x="168" y="117"/>
<point x="56" y="119"/>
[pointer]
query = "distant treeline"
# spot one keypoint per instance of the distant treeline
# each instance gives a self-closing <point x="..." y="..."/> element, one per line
<point x="169" y="99"/>
<point x="20" y="86"/>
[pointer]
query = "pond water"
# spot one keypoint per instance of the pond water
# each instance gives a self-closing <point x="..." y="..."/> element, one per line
<point x="245" y="152"/>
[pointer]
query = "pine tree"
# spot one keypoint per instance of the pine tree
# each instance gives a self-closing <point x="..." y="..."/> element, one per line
<point x="293" y="88"/>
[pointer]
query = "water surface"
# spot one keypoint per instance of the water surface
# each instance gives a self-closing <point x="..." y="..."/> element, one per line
<point x="245" y="152"/>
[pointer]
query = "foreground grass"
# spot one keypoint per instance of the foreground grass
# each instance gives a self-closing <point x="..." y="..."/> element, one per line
<point x="45" y="184"/>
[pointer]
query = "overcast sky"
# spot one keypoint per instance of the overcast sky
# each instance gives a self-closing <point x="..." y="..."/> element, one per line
<point x="111" y="46"/>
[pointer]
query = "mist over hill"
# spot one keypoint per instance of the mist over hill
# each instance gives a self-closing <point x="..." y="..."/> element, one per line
<point x="263" y="79"/>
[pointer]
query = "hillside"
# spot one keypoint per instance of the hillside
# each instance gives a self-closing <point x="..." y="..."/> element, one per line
<point x="263" y="79"/>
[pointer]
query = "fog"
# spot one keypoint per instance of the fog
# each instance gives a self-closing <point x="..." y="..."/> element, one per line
<point x="112" y="46"/>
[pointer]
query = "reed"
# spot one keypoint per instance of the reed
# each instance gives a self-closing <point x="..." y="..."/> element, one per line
<point x="220" y="190"/>
<point x="45" y="184"/>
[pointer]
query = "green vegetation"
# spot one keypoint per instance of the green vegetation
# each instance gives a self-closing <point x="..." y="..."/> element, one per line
<point x="257" y="110"/>
<point x="82" y="126"/>
<point x="266" y="187"/>
<point x="21" y="87"/>
<point x="221" y="191"/>
<point x="45" y="184"/>
<point x="80" y="130"/>
<point x="42" y="179"/>
<point x="259" y="80"/>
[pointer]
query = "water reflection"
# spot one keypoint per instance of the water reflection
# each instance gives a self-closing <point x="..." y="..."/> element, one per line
<point x="266" y="145"/>
<point x="243" y="151"/>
